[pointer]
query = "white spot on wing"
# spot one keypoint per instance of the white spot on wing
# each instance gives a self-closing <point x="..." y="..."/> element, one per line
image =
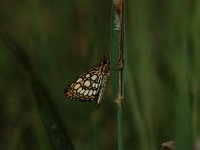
<point x="82" y="91"/>
<point x="94" y="92"/>
<point x="79" y="89"/>
<point x="76" y="86"/>
<point x="96" y="85"/>
<point x="86" y="92"/>
<point x="79" y="80"/>
<point x="87" y="83"/>
<point x="87" y="75"/>
<point x="93" y="85"/>
<point x="94" y="77"/>
<point x="90" y="92"/>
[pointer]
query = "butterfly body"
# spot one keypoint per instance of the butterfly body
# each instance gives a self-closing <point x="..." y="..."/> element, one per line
<point x="90" y="85"/>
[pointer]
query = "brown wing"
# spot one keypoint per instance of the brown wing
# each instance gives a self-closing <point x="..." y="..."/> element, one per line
<point x="86" y="87"/>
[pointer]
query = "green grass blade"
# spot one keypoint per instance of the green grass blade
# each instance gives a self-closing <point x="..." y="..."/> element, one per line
<point x="48" y="112"/>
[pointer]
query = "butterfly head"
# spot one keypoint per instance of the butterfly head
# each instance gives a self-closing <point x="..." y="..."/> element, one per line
<point x="106" y="65"/>
<point x="105" y="60"/>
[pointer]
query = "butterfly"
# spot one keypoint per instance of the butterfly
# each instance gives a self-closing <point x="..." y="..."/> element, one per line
<point x="90" y="85"/>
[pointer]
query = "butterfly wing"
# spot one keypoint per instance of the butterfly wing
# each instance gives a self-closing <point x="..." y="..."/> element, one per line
<point x="90" y="85"/>
<point x="86" y="87"/>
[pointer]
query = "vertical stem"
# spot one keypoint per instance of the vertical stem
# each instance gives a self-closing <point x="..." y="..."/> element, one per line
<point x="120" y="56"/>
<point x="119" y="127"/>
<point x="117" y="55"/>
<point x="120" y="72"/>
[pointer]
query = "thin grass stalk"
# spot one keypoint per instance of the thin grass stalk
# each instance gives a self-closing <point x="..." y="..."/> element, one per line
<point x="117" y="60"/>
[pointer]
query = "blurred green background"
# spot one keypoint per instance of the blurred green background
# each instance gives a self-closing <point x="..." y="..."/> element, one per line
<point x="62" y="39"/>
